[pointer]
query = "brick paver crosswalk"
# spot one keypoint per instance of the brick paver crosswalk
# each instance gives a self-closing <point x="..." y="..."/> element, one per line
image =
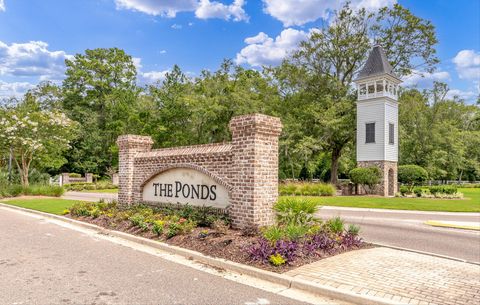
<point x="398" y="276"/>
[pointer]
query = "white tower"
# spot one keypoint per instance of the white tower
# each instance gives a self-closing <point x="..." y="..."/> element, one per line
<point x="377" y="119"/>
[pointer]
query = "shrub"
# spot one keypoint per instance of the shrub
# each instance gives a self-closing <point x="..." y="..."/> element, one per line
<point x="273" y="234"/>
<point x="418" y="191"/>
<point x="295" y="211"/>
<point x="277" y="259"/>
<point x="353" y="229"/>
<point x="44" y="190"/>
<point x="261" y="250"/>
<point x="335" y="225"/>
<point x="307" y="189"/>
<point x="173" y="229"/>
<point x="157" y="227"/>
<point x="404" y="190"/>
<point x="295" y="232"/>
<point x="443" y="189"/>
<point x="350" y="240"/>
<point x="220" y="226"/>
<point x="369" y="177"/>
<point x="82" y="208"/>
<point x="137" y="219"/>
<point x="75" y="175"/>
<point x="412" y="175"/>
<point x="318" y="242"/>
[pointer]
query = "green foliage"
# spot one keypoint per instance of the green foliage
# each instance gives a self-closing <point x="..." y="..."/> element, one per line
<point x="335" y="225"/>
<point x="137" y="219"/>
<point x="353" y="229"/>
<point x="307" y="189"/>
<point x="158" y="227"/>
<point x="75" y="175"/>
<point x="83" y="186"/>
<point x="296" y="232"/>
<point x="443" y="189"/>
<point x="273" y="234"/>
<point x="173" y="229"/>
<point x="277" y="259"/>
<point x="412" y="175"/>
<point x="295" y="211"/>
<point x="366" y="176"/>
<point x="14" y="190"/>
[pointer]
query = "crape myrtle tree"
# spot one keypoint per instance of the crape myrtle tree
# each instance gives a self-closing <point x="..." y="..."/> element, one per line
<point x="35" y="135"/>
<point x="101" y="93"/>
<point x="316" y="81"/>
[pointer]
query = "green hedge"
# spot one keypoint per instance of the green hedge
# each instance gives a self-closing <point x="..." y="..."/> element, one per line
<point x="306" y="189"/>
<point x="15" y="190"/>
<point x="83" y="186"/>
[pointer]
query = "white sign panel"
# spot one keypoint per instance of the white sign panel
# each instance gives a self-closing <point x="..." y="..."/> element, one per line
<point x="185" y="186"/>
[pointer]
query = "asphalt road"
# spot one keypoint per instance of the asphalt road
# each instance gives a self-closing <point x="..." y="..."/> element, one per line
<point x="406" y="229"/>
<point x="42" y="262"/>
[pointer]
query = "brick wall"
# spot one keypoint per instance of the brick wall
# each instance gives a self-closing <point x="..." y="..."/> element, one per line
<point x="247" y="167"/>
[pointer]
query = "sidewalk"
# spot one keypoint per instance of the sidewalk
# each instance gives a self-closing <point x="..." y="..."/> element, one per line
<point x="399" y="277"/>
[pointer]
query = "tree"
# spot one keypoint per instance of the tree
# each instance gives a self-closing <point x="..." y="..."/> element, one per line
<point x="412" y="174"/>
<point x="317" y="78"/>
<point x="368" y="177"/>
<point x="34" y="134"/>
<point x="100" y="91"/>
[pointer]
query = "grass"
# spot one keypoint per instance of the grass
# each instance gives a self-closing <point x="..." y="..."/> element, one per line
<point x="471" y="202"/>
<point x="113" y="191"/>
<point x="48" y="205"/>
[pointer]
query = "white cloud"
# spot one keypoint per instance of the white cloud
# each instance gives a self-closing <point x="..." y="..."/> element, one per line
<point x="294" y="12"/>
<point x="2" y="5"/>
<point x="164" y="8"/>
<point x="176" y="26"/>
<point x="163" y="52"/>
<point x="264" y="50"/>
<point x="424" y="79"/>
<point x="14" y="89"/>
<point x="235" y="11"/>
<point x="468" y="96"/>
<point x="204" y="9"/>
<point x="32" y="59"/>
<point x="467" y="63"/>
<point x="153" y="76"/>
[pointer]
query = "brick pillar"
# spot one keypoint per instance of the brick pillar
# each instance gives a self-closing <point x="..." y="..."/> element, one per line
<point x="129" y="146"/>
<point x="65" y="178"/>
<point x="254" y="169"/>
<point x="89" y="178"/>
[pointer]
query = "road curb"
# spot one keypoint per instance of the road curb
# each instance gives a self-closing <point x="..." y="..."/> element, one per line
<point x="439" y="223"/>
<point x="276" y="278"/>
<point x="425" y="253"/>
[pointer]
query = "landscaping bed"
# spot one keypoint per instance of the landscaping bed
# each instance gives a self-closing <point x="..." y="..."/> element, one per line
<point x="278" y="248"/>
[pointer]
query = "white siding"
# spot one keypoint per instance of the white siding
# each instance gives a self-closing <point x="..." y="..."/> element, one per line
<point x="391" y="116"/>
<point x="369" y="112"/>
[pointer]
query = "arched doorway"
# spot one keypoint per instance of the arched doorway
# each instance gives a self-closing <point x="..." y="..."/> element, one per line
<point x="391" y="182"/>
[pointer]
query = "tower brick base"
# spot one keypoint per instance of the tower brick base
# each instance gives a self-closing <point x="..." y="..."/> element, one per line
<point x="388" y="185"/>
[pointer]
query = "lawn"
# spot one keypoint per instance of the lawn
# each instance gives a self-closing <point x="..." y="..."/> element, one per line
<point x="471" y="202"/>
<point x="113" y="191"/>
<point x="48" y="205"/>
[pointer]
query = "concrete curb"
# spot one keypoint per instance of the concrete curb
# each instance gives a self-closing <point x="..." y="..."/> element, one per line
<point x="281" y="279"/>
<point x="425" y="253"/>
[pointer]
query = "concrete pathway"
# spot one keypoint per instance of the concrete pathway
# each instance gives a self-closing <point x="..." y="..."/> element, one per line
<point x="84" y="196"/>
<point x="400" y="277"/>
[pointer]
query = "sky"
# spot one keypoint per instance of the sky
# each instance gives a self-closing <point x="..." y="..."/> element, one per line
<point x="36" y="36"/>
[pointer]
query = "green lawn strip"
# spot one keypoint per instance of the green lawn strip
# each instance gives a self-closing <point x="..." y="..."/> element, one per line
<point x="48" y="205"/>
<point x="471" y="203"/>
<point x="113" y="191"/>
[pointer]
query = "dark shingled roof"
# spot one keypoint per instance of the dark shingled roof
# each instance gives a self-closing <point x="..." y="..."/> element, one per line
<point x="377" y="63"/>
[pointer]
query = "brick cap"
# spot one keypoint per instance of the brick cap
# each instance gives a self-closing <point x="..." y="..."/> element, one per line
<point x="134" y="139"/>
<point x="257" y="122"/>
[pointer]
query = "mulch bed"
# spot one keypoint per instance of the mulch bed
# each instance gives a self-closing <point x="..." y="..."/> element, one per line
<point x="232" y="245"/>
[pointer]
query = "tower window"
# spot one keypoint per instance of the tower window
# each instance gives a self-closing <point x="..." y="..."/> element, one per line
<point x="370" y="133"/>
<point x="391" y="133"/>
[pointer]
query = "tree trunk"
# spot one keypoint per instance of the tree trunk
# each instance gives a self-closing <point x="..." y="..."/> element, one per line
<point x="336" y="153"/>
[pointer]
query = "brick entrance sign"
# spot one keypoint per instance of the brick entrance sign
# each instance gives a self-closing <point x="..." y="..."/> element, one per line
<point x="240" y="176"/>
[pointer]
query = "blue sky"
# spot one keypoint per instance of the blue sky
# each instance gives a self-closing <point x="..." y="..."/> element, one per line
<point x="37" y="35"/>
